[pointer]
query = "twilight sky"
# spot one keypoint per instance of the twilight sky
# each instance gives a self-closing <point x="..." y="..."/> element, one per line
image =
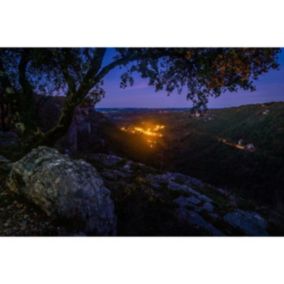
<point x="269" y="87"/>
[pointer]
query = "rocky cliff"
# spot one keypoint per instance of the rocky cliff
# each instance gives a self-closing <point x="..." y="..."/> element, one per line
<point x="111" y="195"/>
<point x="150" y="202"/>
<point x="87" y="132"/>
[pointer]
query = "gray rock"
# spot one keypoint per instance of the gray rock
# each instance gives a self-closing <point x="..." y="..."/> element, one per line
<point x="107" y="160"/>
<point x="192" y="217"/>
<point x="185" y="179"/>
<point x="187" y="201"/>
<point x="194" y="200"/>
<point x="179" y="187"/>
<point x="168" y="179"/>
<point x="114" y="174"/>
<point x="157" y="181"/>
<point x="250" y="223"/>
<point x="195" y="219"/>
<point x="202" y="197"/>
<point x="65" y="189"/>
<point x="194" y="181"/>
<point x="208" y="206"/>
<point x="185" y="188"/>
<point x="128" y="167"/>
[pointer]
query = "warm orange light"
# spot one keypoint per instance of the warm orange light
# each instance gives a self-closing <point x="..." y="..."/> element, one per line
<point x="151" y="132"/>
<point x="238" y="146"/>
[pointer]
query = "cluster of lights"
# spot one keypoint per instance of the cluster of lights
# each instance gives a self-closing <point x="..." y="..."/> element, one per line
<point x="151" y="133"/>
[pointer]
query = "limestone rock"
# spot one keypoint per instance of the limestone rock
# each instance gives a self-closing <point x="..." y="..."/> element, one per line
<point x="68" y="190"/>
<point x="207" y="206"/>
<point x="107" y="160"/>
<point x="195" y="219"/>
<point x="250" y="223"/>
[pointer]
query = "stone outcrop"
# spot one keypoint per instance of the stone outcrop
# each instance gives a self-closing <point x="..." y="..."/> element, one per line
<point x="68" y="190"/>
<point x="88" y="131"/>
<point x="249" y="222"/>
<point x="203" y="208"/>
<point x="147" y="201"/>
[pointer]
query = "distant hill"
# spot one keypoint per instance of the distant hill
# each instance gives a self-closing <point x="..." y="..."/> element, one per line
<point x="258" y="174"/>
<point x="214" y="148"/>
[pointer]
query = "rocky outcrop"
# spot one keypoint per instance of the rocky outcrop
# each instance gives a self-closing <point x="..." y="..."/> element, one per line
<point x="147" y="201"/>
<point x="88" y="132"/>
<point x="200" y="207"/>
<point x="249" y="222"/>
<point x="67" y="190"/>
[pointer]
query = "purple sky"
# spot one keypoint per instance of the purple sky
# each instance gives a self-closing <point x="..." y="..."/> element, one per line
<point x="269" y="87"/>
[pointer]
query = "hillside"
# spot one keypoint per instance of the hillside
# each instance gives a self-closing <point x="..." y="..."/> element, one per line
<point x="214" y="147"/>
<point x="167" y="172"/>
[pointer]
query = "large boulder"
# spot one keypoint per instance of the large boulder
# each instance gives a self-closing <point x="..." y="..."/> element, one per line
<point x="68" y="190"/>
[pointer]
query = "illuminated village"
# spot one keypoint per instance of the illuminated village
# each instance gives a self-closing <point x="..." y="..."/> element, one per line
<point x="151" y="133"/>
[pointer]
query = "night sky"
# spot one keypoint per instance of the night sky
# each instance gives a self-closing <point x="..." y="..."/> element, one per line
<point x="269" y="88"/>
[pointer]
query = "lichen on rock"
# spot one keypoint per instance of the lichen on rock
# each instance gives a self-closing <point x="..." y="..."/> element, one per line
<point x="65" y="189"/>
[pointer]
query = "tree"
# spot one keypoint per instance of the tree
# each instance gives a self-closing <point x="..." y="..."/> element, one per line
<point x="78" y="73"/>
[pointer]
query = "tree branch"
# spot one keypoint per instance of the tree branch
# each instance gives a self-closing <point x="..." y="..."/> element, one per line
<point x="90" y="77"/>
<point x="133" y="57"/>
<point x="24" y="82"/>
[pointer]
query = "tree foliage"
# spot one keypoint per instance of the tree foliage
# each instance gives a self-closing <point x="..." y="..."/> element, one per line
<point x="79" y="73"/>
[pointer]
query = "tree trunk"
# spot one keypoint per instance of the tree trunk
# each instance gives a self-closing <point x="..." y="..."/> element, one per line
<point x="61" y="128"/>
<point x="73" y="99"/>
<point x="27" y="97"/>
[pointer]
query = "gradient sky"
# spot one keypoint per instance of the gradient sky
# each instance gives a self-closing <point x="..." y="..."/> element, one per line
<point x="269" y="88"/>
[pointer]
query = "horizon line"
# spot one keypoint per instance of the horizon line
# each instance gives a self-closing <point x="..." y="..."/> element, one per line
<point x="130" y="107"/>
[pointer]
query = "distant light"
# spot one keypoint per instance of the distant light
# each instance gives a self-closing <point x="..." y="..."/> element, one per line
<point x="152" y="132"/>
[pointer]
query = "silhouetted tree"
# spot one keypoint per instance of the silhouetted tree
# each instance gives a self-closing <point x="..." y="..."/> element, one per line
<point x="78" y="73"/>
